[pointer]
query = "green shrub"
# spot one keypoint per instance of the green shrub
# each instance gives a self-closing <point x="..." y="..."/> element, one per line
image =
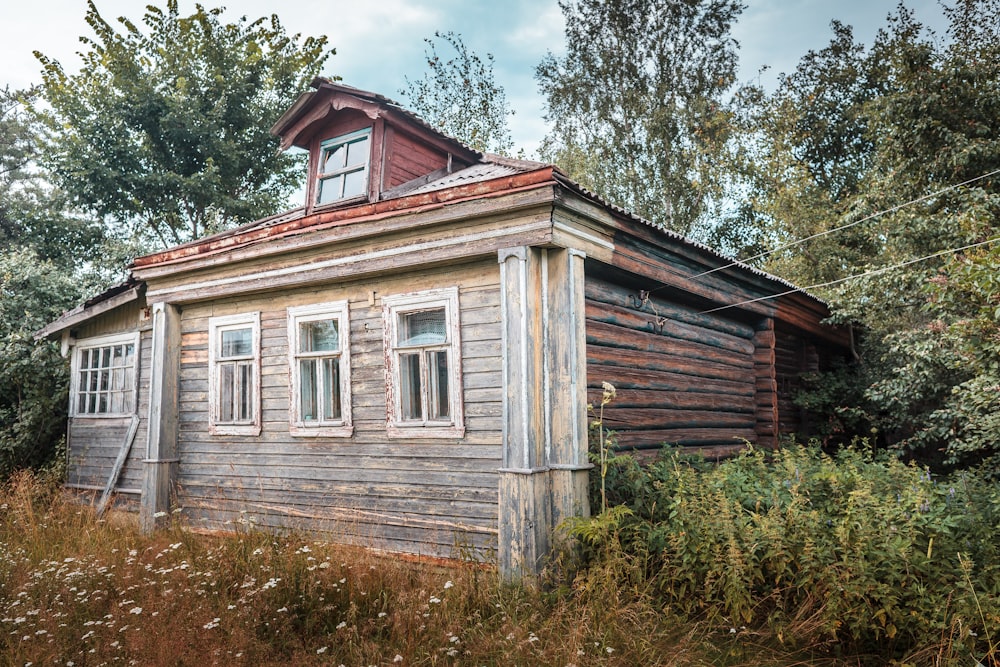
<point x="856" y="548"/>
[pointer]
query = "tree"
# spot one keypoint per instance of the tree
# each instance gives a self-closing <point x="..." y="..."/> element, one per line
<point x="636" y="103"/>
<point x="460" y="97"/>
<point x="33" y="377"/>
<point x="899" y="145"/>
<point x="33" y="213"/>
<point x="166" y="131"/>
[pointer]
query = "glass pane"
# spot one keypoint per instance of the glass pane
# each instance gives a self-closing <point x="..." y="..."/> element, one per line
<point x="329" y="190"/>
<point x="117" y="398"/>
<point x="333" y="159"/>
<point x="129" y="354"/>
<point x="93" y="380"/>
<point x="423" y="328"/>
<point x="92" y="404"/>
<point x="119" y="353"/>
<point x="319" y="336"/>
<point x="245" y="391"/>
<point x="102" y="406"/>
<point x="237" y="343"/>
<point x="357" y="153"/>
<point x="105" y="380"/>
<point x="331" y="389"/>
<point x="81" y="406"/>
<point x="307" y="390"/>
<point x="409" y="386"/>
<point x="105" y="357"/>
<point x="440" y="407"/>
<point x="226" y="381"/>
<point x="355" y="183"/>
<point x="127" y="406"/>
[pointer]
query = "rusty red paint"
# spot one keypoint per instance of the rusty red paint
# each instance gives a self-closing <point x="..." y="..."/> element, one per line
<point x="351" y="215"/>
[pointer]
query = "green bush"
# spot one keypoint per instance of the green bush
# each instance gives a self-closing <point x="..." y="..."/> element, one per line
<point x="857" y="548"/>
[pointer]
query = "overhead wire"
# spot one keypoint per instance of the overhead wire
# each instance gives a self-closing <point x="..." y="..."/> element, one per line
<point x="866" y="274"/>
<point x="792" y="244"/>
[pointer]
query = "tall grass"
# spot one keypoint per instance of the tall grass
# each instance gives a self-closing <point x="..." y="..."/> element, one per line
<point x="786" y="559"/>
<point x="860" y="553"/>
<point x="77" y="590"/>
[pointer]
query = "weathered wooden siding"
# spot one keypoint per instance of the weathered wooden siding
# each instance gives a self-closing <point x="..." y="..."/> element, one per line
<point x="420" y="496"/>
<point x="94" y="442"/>
<point x="407" y="158"/>
<point x="688" y="379"/>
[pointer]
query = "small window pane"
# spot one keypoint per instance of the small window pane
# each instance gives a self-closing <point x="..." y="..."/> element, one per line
<point x="331" y="389"/>
<point x="409" y="386"/>
<point x="354" y="183"/>
<point x="423" y="328"/>
<point x="237" y="343"/>
<point x="319" y="336"/>
<point x="329" y="190"/>
<point x="334" y="159"/>
<point x="226" y="389"/>
<point x="245" y="387"/>
<point x="438" y="377"/>
<point x="307" y="390"/>
<point x="357" y="153"/>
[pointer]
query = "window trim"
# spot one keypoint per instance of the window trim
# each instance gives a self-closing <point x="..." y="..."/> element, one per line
<point x="399" y="304"/>
<point x="215" y="326"/>
<point x="321" y="176"/>
<point x="339" y="310"/>
<point x="99" y="342"/>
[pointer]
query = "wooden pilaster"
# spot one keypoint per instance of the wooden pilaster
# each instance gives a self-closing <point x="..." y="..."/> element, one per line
<point x="544" y="475"/>
<point x="160" y="471"/>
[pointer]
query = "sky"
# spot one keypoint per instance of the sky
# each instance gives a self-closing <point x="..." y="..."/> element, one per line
<point x="381" y="43"/>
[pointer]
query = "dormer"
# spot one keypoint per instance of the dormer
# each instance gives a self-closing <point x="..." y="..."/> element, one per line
<point x="364" y="147"/>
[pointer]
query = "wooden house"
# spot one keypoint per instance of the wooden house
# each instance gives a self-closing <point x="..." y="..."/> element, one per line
<point x="406" y="361"/>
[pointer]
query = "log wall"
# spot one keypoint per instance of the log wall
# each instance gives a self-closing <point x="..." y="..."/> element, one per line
<point x="686" y="379"/>
<point x="425" y="496"/>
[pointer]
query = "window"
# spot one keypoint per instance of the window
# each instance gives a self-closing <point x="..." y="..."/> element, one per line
<point x="104" y="376"/>
<point x="343" y="167"/>
<point x="423" y="364"/>
<point x="319" y="363"/>
<point x="234" y="374"/>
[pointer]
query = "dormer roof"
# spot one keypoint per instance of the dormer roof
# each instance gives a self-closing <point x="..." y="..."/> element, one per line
<point x="312" y="108"/>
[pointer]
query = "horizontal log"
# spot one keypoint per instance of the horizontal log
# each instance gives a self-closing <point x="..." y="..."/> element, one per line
<point x="644" y="378"/>
<point x="649" y="398"/>
<point x="604" y="291"/>
<point x="633" y="419"/>
<point x="685" y="437"/>
<point x="630" y="318"/>
<point x="605" y="356"/>
<point x="611" y="335"/>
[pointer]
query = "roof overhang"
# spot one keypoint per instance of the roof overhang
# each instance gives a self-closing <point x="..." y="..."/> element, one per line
<point x="118" y="295"/>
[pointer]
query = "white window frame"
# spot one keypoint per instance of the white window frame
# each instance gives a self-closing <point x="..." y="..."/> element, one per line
<point x="340" y="174"/>
<point x="132" y="391"/>
<point x="336" y="428"/>
<point x="393" y="306"/>
<point x="217" y="325"/>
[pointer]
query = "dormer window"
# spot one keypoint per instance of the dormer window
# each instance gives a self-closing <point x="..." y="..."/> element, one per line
<point x="343" y="167"/>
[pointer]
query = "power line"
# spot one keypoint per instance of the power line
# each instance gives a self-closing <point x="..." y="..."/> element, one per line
<point x="859" y="275"/>
<point x="847" y="226"/>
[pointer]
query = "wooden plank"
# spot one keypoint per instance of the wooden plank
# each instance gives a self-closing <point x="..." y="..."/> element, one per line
<point x="116" y="469"/>
<point x="672" y="363"/>
<point x="614" y="336"/>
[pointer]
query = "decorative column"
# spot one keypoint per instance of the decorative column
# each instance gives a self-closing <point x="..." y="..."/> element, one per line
<point x="160" y="464"/>
<point x="544" y="475"/>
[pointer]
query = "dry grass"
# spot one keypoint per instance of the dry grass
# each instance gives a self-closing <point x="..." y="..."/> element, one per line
<point x="75" y="590"/>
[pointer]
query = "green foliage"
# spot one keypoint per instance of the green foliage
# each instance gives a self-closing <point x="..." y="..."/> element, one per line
<point x="636" y="103"/>
<point x="166" y="131"/>
<point x="855" y="548"/>
<point x="32" y="213"/>
<point x="33" y="377"/>
<point x="899" y="141"/>
<point x="460" y="97"/>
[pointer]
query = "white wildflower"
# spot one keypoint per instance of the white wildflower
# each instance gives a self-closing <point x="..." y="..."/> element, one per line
<point x="321" y="650"/>
<point x="342" y="625"/>
<point x="448" y="585"/>
<point x="435" y="600"/>
<point x="135" y="610"/>
<point x="398" y="658"/>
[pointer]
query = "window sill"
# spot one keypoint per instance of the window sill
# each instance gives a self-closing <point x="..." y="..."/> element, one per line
<point x="234" y="429"/>
<point x="321" y="431"/>
<point x="421" y="431"/>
